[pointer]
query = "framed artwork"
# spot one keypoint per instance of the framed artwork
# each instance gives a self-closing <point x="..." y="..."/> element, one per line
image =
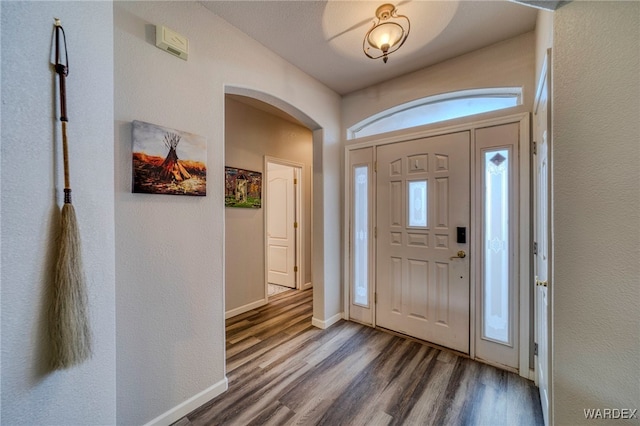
<point x="168" y="161"/>
<point x="243" y="188"/>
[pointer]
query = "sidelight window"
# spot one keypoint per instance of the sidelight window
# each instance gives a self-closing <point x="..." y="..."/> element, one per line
<point x="496" y="241"/>
<point x="360" y="235"/>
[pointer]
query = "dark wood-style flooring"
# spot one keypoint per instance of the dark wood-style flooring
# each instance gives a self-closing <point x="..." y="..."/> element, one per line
<point x="284" y="371"/>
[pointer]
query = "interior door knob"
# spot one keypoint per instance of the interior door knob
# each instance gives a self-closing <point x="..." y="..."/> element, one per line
<point x="461" y="255"/>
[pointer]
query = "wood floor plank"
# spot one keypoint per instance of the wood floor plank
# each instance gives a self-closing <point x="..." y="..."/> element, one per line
<point x="230" y="323"/>
<point x="269" y="324"/>
<point x="235" y="348"/>
<point x="277" y="414"/>
<point x="354" y="406"/>
<point x="284" y="371"/>
<point x="254" y="351"/>
<point x="332" y="375"/>
<point x="426" y="407"/>
<point x="238" y="325"/>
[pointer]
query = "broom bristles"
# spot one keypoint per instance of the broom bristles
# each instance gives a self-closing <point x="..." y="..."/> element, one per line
<point x="70" y="332"/>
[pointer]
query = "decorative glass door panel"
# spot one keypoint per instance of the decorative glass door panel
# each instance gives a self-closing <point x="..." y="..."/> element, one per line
<point x="497" y="290"/>
<point x="417" y="196"/>
<point x="361" y="235"/>
<point x="495" y="235"/>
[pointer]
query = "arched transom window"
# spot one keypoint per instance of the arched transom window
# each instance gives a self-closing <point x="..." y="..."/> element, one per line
<point x="438" y="108"/>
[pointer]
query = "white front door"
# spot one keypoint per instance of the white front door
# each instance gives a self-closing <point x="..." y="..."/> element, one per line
<point x="422" y="199"/>
<point x="281" y="225"/>
<point x="542" y="233"/>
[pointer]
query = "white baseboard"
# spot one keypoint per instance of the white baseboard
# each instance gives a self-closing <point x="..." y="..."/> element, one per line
<point x="181" y="410"/>
<point x="306" y="286"/>
<point x="328" y="323"/>
<point x="245" y="308"/>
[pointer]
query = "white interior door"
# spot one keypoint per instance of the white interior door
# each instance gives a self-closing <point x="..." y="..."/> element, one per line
<point x="422" y="197"/>
<point x="281" y="225"/>
<point x="542" y="233"/>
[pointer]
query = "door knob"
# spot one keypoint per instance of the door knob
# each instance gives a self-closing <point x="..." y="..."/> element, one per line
<point x="461" y="255"/>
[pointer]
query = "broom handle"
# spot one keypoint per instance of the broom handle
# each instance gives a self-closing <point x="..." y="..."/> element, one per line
<point x="63" y="70"/>
<point x="65" y="158"/>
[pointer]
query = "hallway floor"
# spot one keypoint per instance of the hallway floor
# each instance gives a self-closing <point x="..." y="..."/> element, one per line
<point x="284" y="371"/>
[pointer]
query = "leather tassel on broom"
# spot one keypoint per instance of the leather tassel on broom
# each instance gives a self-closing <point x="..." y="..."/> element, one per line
<point x="69" y="321"/>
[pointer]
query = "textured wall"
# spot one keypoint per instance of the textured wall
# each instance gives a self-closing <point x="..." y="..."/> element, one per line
<point x="31" y="198"/>
<point x="506" y="64"/>
<point x="170" y="249"/>
<point x="544" y="40"/>
<point x="250" y="134"/>
<point x="596" y="159"/>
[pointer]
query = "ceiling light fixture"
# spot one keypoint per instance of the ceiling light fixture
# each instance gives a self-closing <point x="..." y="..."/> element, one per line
<point x="387" y="34"/>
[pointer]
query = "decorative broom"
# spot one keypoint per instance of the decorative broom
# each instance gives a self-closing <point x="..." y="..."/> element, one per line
<point x="70" y="332"/>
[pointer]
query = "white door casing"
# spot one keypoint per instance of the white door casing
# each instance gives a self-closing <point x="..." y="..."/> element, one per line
<point x="422" y="286"/>
<point x="281" y="249"/>
<point x="542" y="234"/>
<point x="521" y="291"/>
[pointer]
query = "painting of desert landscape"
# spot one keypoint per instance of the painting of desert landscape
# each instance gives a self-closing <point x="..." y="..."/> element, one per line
<point x="168" y="161"/>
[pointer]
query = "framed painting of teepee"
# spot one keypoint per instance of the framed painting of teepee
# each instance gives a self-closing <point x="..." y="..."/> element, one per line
<point x="168" y="161"/>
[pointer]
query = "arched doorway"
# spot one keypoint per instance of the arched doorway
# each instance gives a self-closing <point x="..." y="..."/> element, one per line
<point x="317" y="205"/>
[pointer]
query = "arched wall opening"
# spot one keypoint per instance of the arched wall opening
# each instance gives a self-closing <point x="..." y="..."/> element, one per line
<point x="317" y="202"/>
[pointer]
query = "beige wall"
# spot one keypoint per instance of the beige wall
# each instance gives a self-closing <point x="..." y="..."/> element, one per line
<point x="596" y="175"/>
<point x="510" y="63"/>
<point x="544" y="39"/>
<point x="170" y="249"/>
<point x="159" y="333"/>
<point x="32" y="193"/>
<point x="250" y="135"/>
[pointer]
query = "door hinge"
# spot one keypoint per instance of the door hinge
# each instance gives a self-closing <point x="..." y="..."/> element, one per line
<point x="295" y="181"/>
<point x="535" y="248"/>
<point x="295" y="269"/>
<point x="375" y="232"/>
<point x="375" y="297"/>
<point x="535" y="349"/>
<point x="534" y="147"/>
<point x="295" y="225"/>
<point x="375" y="167"/>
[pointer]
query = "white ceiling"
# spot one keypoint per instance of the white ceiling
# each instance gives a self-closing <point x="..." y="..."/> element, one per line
<point x="324" y="38"/>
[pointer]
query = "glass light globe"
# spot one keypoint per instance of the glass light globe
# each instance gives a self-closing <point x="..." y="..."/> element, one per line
<point x="385" y="36"/>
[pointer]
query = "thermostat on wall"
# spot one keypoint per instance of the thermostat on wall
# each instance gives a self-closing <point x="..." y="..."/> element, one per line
<point x="172" y="42"/>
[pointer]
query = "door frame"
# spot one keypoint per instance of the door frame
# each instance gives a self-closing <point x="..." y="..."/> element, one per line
<point x="523" y="208"/>
<point x="545" y="81"/>
<point x="298" y="213"/>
